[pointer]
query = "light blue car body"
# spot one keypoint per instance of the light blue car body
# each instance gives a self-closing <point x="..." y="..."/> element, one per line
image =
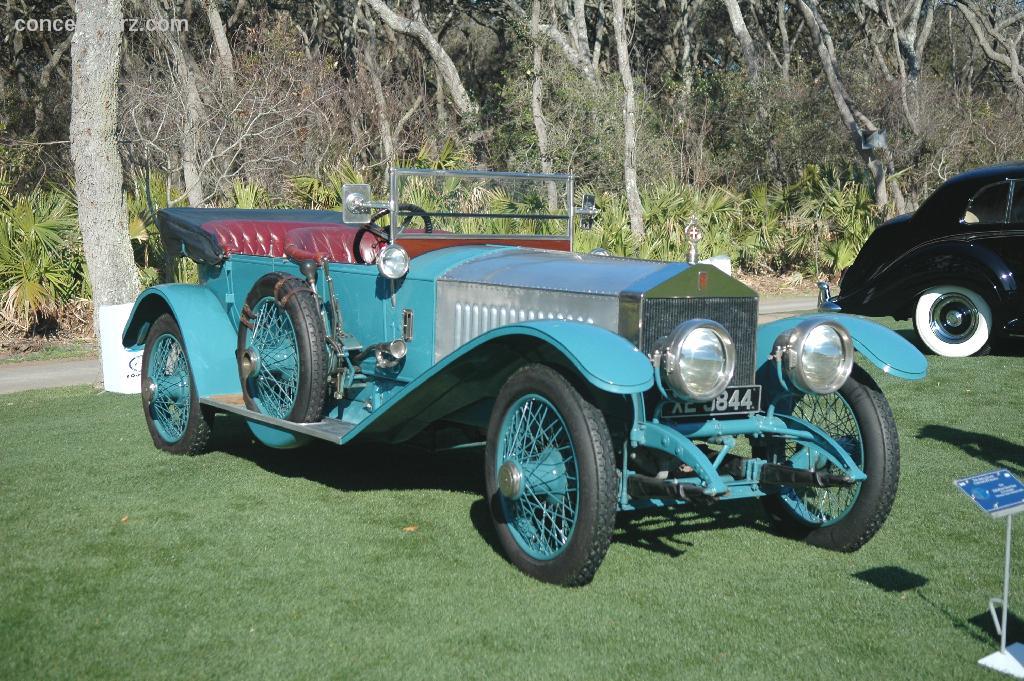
<point x="398" y="403"/>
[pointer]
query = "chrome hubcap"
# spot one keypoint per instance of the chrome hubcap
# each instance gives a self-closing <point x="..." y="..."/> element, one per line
<point x="250" y="362"/>
<point x="510" y="480"/>
<point x="954" y="318"/>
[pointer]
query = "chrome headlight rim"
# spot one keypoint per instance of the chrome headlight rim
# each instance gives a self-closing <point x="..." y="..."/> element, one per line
<point x="670" y="361"/>
<point x="386" y="259"/>
<point x="793" y="349"/>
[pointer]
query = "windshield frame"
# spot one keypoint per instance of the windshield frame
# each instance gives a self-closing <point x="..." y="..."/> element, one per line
<point x="396" y="215"/>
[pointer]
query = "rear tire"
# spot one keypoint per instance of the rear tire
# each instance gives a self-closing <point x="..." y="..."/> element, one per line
<point x="177" y="422"/>
<point x="858" y="417"/>
<point x="953" y="321"/>
<point x="555" y="524"/>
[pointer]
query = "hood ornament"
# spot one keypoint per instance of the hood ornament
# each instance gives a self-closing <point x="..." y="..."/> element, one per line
<point x="693" y="234"/>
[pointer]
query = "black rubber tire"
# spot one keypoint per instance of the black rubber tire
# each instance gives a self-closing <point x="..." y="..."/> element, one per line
<point x="881" y="464"/>
<point x="301" y="307"/>
<point x="199" y="429"/>
<point x="592" y="534"/>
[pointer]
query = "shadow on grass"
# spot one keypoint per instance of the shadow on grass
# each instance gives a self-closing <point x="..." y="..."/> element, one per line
<point x="896" y="580"/>
<point x="665" y="531"/>
<point x="989" y="448"/>
<point x="358" y="467"/>
<point x="372" y="466"/>
<point x="892" y="579"/>
<point x="1014" y="626"/>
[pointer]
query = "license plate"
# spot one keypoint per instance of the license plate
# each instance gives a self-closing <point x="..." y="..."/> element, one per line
<point x="742" y="399"/>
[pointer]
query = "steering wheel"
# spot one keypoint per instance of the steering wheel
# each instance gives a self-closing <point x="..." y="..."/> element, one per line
<point x="371" y="227"/>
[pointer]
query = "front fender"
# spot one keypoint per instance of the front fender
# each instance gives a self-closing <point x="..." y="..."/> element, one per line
<point x="475" y="372"/>
<point x="210" y="340"/>
<point x="889" y="351"/>
<point x="608" y="361"/>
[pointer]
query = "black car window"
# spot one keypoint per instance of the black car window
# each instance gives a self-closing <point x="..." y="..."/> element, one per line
<point x="989" y="205"/>
<point x="1017" y="209"/>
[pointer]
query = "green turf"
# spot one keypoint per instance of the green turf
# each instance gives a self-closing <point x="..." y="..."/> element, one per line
<point x="118" y="561"/>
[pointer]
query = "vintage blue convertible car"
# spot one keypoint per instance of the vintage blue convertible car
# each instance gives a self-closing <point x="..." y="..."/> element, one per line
<point x="595" y="384"/>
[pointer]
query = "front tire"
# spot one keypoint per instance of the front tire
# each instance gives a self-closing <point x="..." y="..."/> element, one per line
<point x="550" y="477"/>
<point x="953" y="321"/>
<point x="176" y="421"/>
<point x="858" y="417"/>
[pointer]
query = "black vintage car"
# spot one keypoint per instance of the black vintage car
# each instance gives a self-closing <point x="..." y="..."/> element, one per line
<point x="952" y="266"/>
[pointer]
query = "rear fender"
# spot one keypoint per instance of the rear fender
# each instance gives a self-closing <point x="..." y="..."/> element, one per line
<point x="210" y="339"/>
<point x="895" y="289"/>
<point x="886" y="349"/>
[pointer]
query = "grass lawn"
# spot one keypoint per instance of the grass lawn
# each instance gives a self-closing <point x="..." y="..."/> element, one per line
<point x="119" y="561"/>
<point x="53" y="350"/>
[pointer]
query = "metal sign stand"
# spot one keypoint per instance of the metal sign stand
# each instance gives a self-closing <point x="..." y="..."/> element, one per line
<point x="1008" y="660"/>
<point x="1000" y="495"/>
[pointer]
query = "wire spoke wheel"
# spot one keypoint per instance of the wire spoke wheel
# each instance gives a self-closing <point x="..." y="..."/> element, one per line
<point x="860" y="421"/>
<point x="170" y="402"/>
<point x="274" y="385"/>
<point x="172" y="395"/>
<point x="535" y="443"/>
<point x="550" y="477"/>
<point x="834" y="415"/>
<point x="282" y="350"/>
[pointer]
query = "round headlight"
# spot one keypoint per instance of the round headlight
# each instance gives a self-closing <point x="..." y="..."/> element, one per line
<point x="818" y="356"/>
<point x="393" y="261"/>
<point x="698" y="360"/>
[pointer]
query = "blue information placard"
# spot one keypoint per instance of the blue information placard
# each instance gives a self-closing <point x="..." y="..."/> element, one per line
<point x="997" y="493"/>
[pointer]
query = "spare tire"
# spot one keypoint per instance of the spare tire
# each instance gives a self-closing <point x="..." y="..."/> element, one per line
<point x="282" y="351"/>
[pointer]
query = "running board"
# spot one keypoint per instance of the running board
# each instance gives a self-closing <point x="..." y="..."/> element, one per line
<point x="331" y="430"/>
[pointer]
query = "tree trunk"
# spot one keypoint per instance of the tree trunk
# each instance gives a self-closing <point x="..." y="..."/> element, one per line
<point x="636" y="213"/>
<point x="192" y="104"/>
<point x="43" y="83"/>
<point x="739" y="28"/>
<point x="463" y="103"/>
<point x="225" y="62"/>
<point x="537" y="103"/>
<point x="387" y="140"/>
<point x="859" y="125"/>
<point x="95" y="66"/>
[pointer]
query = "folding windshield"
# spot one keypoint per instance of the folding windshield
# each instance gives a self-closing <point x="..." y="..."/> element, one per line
<point x="478" y="204"/>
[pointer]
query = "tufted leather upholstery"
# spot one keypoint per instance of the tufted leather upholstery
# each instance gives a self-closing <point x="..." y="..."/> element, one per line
<point x="274" y="239"/>
<point x="334" y="242"/>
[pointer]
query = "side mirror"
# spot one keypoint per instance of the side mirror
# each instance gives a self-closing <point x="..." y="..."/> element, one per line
<point x="587" y="211"/>
<point x="355" y="203"/>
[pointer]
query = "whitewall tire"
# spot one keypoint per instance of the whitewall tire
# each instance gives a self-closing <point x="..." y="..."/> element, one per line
<point x="953" y="321"/>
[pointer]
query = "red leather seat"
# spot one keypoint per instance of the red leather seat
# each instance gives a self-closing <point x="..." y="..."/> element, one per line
<point x="301" y="240"/>
<point x="334" y="242"/>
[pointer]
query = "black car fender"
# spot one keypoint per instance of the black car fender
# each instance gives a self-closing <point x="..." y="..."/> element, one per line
<point x="894" y="290"/>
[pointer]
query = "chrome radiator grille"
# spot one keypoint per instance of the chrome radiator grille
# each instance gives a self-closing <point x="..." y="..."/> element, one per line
<point x="738" y="315"/>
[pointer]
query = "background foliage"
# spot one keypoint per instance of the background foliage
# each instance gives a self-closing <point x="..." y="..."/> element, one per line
<point x="308" y="96"/>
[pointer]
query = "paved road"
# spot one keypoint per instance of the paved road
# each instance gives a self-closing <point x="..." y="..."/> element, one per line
<point x="51" y="374"/>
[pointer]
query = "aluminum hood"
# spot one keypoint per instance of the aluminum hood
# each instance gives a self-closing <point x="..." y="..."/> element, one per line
<point x="518" y="284"/>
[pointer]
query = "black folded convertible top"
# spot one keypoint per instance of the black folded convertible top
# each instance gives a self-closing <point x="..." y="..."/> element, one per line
<point x="183" y="233"/>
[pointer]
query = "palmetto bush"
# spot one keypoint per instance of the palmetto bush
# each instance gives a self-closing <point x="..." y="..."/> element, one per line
<point x="815" y="226"/>
<point x="42" y="267"/>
